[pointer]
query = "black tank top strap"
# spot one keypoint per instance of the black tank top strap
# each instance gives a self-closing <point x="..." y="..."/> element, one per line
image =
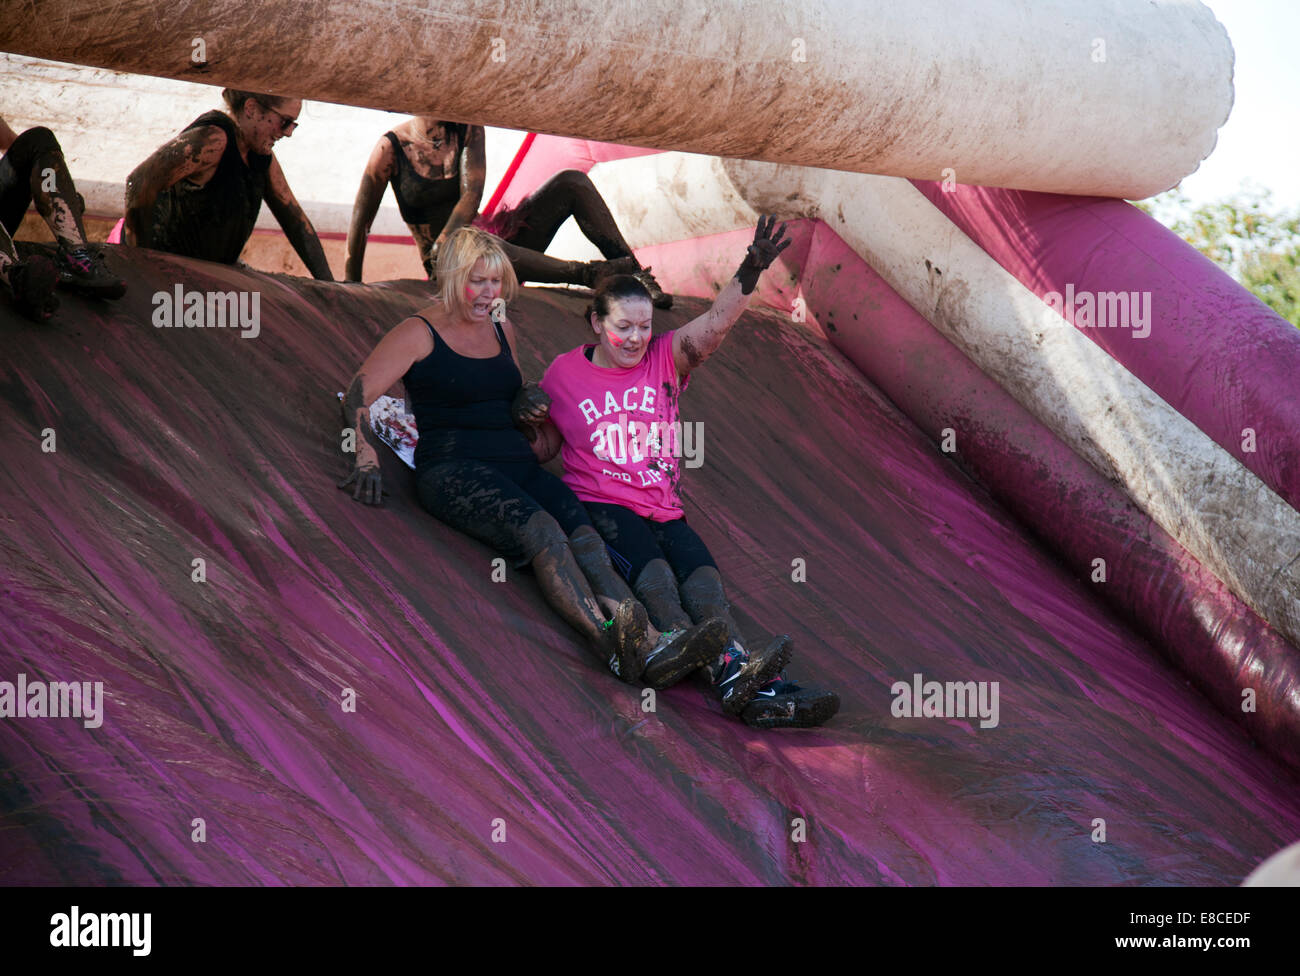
<point x="432" y="331"/>
<point x="501" y="337"/>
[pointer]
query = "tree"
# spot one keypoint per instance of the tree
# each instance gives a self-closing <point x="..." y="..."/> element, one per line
<point x="1246" y="236"/>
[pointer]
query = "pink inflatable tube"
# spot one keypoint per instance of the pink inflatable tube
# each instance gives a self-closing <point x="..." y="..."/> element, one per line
<point x="1215" y="353"/>
<point x="1207" y="632"/>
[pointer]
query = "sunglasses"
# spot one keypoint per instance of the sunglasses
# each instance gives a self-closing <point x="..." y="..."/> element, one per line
<point x="287" y="124"/>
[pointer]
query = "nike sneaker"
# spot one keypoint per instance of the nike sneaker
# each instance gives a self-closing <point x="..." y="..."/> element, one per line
<point x="782" y="704"/>
<point x="742" y="674"/>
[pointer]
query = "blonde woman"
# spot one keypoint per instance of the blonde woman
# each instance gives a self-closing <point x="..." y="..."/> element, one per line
<point x="477" y="472"/>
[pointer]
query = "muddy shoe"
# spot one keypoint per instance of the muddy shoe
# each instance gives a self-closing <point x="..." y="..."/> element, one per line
<point x="742" y="674"/>
<point x="782" y="704"/>
<point x="33" y="282"/>
<point x="630" y="633"/>
<point x="83" y="271"/>
<point x="596" y="271"/>
<point x="681" y="652"/>
<point x="658" y="297"/>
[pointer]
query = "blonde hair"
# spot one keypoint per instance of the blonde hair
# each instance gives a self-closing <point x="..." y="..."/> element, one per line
<point x="456" y="259"/>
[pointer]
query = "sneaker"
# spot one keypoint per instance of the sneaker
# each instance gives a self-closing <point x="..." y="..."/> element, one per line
<point x="782" y="704"/>
<point x="630" y="628"/>
<point x="743" y="674"/>
<point x="681" y="652"/>
<point x="33" y="282"/>
<point x="84" y="272"/>
<point x="658" y="297"/>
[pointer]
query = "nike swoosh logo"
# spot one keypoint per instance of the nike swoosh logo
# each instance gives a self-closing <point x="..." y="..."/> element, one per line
<point x="767" y="694"/>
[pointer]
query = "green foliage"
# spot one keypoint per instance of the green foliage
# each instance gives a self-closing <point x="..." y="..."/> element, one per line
<point x="1246" y="236"/>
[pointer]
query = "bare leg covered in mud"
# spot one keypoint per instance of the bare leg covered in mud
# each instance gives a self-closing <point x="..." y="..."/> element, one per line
<point x="33" y="171"/>
<point x="677" y="648"/>
<point x="575" y="577"/>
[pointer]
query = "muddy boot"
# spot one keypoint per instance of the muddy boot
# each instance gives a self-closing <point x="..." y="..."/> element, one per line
<point x="595" y="271"/>
<point x="628" y="637"/>
<point x="682" y="652"/>
<point x="782" y="704"/>
<point x="33" y="282"/>
<point x="658" y="297"/>
<point x="742" y="674"/>
<point x="82" y="270"/>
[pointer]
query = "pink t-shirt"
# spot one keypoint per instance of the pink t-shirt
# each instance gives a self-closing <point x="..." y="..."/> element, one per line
<point x="622" y="435"/>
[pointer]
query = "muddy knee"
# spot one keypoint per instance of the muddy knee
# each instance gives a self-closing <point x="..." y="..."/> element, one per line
<point x="703" y="595"/>
<point x="574" y="181"/>
<point x="589" y="548"/>
<point x="656" y="587"/>
<point x="541" y="533"/>
<point x="32" y="144"/>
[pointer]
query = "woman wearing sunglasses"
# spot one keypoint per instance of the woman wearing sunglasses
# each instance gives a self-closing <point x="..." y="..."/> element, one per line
<point x="199" y="195"/>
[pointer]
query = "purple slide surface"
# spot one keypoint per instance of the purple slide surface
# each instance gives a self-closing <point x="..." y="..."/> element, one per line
<point x="477" y="710"/>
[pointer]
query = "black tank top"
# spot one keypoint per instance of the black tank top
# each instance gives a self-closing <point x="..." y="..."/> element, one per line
<point x="422" y="200"/>
<point x="462" y="405"/>
<point x="213" y="221"/>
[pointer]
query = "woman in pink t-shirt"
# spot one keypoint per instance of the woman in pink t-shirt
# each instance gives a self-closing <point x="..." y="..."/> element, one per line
<point x="613" y="415"/>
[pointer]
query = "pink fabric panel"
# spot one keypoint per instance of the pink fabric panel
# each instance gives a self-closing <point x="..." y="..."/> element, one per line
<point x="549" y="155"/>
<point x="1215" y="353"/>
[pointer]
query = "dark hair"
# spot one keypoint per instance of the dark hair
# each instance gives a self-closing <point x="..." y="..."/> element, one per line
<point x="616" y="287"/>
<point x="236" y="99"/>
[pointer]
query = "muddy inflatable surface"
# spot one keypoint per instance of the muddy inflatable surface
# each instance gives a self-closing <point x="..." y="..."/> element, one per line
<point x="348" y="697"/>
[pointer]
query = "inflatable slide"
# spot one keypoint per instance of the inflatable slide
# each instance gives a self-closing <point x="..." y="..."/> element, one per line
<point x="1022" y="439"/>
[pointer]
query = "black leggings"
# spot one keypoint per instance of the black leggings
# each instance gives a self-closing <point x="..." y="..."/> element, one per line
<point x="16" y="174"/>
<point x="517" y="508"/>
<point x="634" y="542"/>
<point x="569" y="193"/>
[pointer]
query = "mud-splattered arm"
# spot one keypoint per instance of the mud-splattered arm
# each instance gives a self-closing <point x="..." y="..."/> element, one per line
<point x="386" y="364"/>
<point x="473" y="174"/>
<point x="297" y="228"/>
<point x="700" y="338"/>
<point x="193" y="151"/>
<point x="374" y="181"/>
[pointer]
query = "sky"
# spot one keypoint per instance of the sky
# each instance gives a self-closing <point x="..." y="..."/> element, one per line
<point x="1261" y="140"/>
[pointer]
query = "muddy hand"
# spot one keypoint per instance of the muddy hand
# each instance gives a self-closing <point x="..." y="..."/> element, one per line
<point x="367" y="484"/>
<point x="759" y="256"/>
<point x="531" y="407"/>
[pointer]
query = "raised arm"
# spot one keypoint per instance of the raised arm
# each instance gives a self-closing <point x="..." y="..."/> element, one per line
<point x="193" y="151"/>
<point x="387" y="363"/>
<point x="473" y="174"/>
<point x="374" y="181"/>
<point x="296" y="226"/>
<point x="700" y="338"/>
